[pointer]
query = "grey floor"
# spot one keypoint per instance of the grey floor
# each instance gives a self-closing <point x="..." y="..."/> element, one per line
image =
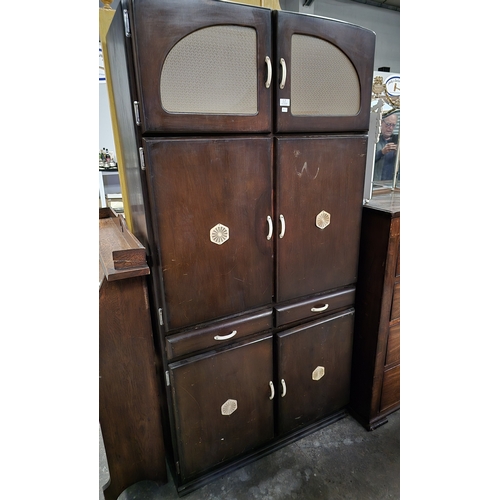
<point x="341" y="461"/>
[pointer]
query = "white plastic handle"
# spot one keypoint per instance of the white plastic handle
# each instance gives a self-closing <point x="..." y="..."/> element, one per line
<point x="283" y="385"/>
<point x="225" y="337"/>
<point x="269" y="72"/>
<point x="283" y="73"/>
<point x="270" y="226"/>
<point x="272" y="389"/>
<point x="319" y="309"/>
<point x="282" y="220"/>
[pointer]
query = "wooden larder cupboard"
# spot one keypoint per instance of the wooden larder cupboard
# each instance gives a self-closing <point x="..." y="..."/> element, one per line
<point x="244" y="132"/>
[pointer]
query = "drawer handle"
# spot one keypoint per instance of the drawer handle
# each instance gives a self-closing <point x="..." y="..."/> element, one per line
<point x="282" y="220"/>
<point x="269" y="72"/>
<point x="225" y="337"/>
<point x="270" y="226"/>
<point x="319" y="309"/>
<point x="272" y="389"/>
<point x="283" y="385"/>
<point x="283" y="73"/>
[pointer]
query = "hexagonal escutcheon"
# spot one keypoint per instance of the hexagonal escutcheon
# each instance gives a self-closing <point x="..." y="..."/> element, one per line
<point x="219" y="234"/>
<point x="319" y="372"/>
<point x="322" y="219"/>
<point x="230" y="406"/>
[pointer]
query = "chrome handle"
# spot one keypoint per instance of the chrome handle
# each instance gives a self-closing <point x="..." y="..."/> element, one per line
<point x="269" y="72"/>
<point x="319" y="309"/>
<point x="270" y="225"/>
<point x="225" y="337"/>
<point x="282" y="220"/>
<point x="272" y="389"/>
<point x="283" y="385"/>
<point x="283" y="73"/>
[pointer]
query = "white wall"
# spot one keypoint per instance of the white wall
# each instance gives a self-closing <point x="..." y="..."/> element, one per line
<point x="105" y="126"/>
<point x="384" y="22"/>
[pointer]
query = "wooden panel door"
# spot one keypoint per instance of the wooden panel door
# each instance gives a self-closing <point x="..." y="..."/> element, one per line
<point x="319" y="201"/>
<point x="211" y="202"/>
<point x="202" y="66"/>
<point x="324" y="72"/>
<point x="314" y="370"/>
<point x="222" y="404"/>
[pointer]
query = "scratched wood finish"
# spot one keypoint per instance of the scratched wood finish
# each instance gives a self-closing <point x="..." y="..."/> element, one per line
<point x="158" y="25"/>
<point x="200" y="387"/>
<point x="375" y="379"/>
<point x="326" y="343"/>
<point x="316" y="174"/>
<point x="198" y="184"/>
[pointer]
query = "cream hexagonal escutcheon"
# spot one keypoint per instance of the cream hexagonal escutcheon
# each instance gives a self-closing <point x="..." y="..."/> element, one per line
<point x="322" y="219"/>
<point x="319" y="372"/>
<point x="230" y="406"/>
<point x="219" y="234"/>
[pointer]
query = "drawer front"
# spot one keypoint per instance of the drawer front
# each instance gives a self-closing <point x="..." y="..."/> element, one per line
<point x="319" y="305"/>
<point x="217" y="334"/>
<point x="390" y="389"/>
<point x="395" y="302"/>
<point x="393" y="345"/>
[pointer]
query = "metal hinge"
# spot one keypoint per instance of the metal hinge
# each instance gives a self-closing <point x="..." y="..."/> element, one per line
<point x="143" y="164"/>
<point x="160" y="316"/>
<point x="177" y="467"/>
<point x="136" y="111"/>
<point x="127" y="22"/>
<point x="167" y="378"/>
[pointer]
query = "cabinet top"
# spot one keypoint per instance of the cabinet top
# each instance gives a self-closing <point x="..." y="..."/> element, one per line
<point x="121" y="255"/>
<point x="387" y="202"/>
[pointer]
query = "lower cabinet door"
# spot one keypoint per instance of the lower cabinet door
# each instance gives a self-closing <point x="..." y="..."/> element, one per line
<point x="314" y="368"/>
<point x="222" y="404"/>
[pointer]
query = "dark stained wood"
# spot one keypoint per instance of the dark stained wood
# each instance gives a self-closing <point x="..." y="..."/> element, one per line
<point x="197" y="184"/>
<point x="129" y="393"/>
<point x="158" y="25"/>
<point x="316" y="174"/>
<point x="390" y="389"/>
<point x="357" y="43"/>
<point x="393" y="343"/>
<point x="201" y="338"/>
<point x="297" y="310"/>
<point x="200" y="387"/>
<point x="327" y="343"/>
<point x="396" y="299"/>
<point x="376" y="337"/>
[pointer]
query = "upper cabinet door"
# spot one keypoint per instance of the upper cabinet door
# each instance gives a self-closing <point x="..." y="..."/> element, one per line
<point x="201" y="66"/>
<point x="324" y="72"/>
<point x="212" y="216"/>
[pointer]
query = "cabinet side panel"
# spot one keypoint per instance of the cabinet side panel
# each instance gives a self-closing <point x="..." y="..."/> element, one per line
<point x="129" y="394"/>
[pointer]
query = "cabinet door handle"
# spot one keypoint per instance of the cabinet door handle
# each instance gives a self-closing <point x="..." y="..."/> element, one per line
<point x="272" y="389"/>
<point x="270" y="226"/>
<point x="225" y="337"/>
<point x="269" y="72"/>
<point x="283" y="385"/>
<point x="282" y="220"/>
<point x="319" y="309"/>
<point x="283" y="73"/>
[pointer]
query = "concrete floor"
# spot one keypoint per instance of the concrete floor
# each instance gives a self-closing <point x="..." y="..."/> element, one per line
<point x="341" y="461"/>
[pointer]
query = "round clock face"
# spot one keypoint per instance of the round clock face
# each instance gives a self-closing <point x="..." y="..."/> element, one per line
<point x="393" y="85"/>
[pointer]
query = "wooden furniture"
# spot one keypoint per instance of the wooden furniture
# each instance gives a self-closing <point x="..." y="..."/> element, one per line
<point x="129" y="397"/>
<point x="376" y="363"/>
<point x="244" y="132"/>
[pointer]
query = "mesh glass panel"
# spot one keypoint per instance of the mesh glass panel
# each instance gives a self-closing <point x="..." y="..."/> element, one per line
<point x="323" y="79"/>
<point x="212" y="71"/>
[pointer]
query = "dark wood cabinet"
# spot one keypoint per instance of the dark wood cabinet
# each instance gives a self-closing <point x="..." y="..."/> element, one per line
<point x="244" y="133"/>
<point x="376" y="362"/>
<point x="129" y="391"/>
